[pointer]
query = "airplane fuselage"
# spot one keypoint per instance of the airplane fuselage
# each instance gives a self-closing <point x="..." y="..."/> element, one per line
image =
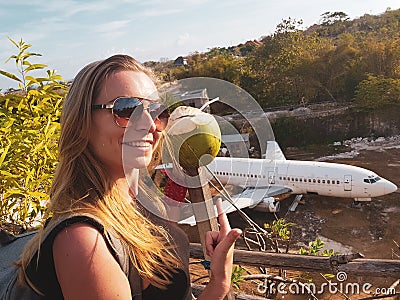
<point x="302" y="177"/>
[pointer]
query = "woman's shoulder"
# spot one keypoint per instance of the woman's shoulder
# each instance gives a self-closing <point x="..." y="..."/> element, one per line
<point x="81" y="237"/>
<point x="84" y="265"/>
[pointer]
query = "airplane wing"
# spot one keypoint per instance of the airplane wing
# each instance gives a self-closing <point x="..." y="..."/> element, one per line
<point x="164" y="166"/>
<point x="249" y="197"/>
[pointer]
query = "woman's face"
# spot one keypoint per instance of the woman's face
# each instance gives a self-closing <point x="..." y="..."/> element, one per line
<point x="107" y="139"/>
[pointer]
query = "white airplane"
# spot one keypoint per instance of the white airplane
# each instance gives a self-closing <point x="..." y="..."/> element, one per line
<point x="265" y="179"/>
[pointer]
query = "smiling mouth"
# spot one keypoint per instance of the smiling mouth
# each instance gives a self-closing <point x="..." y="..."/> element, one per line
<point x="138" y="144"/>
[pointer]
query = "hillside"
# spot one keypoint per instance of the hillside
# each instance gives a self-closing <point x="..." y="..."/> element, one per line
<point x="338" y="60"/>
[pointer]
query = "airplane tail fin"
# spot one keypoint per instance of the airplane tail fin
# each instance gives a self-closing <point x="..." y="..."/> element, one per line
<point x="274" y="152"/>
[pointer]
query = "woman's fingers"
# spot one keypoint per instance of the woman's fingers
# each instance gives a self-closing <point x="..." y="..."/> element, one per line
<point x="225" y="237"/>
<point x="211" y="241"/>
<point x="224" y="226"/>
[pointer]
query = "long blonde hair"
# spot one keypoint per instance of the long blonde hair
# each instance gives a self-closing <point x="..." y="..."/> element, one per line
<point x="81" y="184"/>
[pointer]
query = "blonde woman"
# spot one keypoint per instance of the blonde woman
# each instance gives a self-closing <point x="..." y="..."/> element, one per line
<point x="73" y="258"/>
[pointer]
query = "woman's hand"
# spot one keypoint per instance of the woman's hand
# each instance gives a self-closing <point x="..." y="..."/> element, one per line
<point x="219" y="246"/>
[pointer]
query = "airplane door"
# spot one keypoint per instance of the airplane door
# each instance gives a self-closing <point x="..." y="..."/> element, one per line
<point x="347" y="182"/>
<point x="271" y="177"/>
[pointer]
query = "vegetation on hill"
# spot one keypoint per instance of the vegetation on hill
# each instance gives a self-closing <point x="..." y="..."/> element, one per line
<point x="338" y="60"/>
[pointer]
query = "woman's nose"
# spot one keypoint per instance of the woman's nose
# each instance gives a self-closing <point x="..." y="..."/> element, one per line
<point x="145" y="121"/>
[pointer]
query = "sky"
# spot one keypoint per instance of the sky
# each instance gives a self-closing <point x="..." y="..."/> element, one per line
<point x="72" y="33"/>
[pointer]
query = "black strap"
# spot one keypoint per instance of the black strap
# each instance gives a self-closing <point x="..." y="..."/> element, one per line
<point x="135" y="282"/>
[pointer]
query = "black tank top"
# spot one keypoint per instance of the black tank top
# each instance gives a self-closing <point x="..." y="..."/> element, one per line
<point x="43" y="275"/>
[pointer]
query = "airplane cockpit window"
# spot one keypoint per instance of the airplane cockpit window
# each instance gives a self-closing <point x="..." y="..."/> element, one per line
<point x="371" y="179"/>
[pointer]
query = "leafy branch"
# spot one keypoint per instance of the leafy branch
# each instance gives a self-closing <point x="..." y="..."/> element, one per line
<point x="23" y="65"/>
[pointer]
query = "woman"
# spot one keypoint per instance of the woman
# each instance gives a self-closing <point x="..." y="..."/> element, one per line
<point x="75" y="260"/>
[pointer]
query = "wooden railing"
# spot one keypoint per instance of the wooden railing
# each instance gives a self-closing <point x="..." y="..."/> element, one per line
<point x="351" y="264"/>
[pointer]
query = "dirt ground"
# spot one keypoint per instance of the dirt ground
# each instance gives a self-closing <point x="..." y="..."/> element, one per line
<point x="372" y="230"/>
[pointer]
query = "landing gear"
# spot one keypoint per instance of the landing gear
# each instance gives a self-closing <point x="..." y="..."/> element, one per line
<point x="356" y="204"/>
<point x="295" y="202"/>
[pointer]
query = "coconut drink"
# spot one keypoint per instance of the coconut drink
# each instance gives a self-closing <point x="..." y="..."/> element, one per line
<point x="192" y="137"/>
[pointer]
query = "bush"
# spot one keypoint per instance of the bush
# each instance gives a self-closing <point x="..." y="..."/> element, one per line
<point x="377" y="91"/>
<point x="29" y="126"/>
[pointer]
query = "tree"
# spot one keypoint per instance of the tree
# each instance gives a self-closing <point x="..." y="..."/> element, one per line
<point x="377" y="91"/>
<point x="330" y="18"/>
<point x="280" y="64"/>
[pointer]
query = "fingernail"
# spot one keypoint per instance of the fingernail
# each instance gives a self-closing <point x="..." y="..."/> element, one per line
<point x="237" y="233"/>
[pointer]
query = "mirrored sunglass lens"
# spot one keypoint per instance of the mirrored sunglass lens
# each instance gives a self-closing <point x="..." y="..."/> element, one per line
<point x="124" y="107"/>
<point x="158" y="110"/>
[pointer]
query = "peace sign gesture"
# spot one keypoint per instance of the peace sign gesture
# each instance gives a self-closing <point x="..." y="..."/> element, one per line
<point x="220" y="245"/>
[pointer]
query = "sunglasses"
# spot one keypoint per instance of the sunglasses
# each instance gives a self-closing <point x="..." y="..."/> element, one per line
<point x="123" y="107"/>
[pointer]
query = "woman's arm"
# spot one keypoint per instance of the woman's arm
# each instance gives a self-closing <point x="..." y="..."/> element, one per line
<point x="85" y="267"/>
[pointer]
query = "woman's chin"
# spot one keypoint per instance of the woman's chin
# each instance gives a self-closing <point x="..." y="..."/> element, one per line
<point x="137" y="163"/>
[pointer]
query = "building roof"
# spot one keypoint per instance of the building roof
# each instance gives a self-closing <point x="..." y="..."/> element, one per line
<point x="195" y="94"/>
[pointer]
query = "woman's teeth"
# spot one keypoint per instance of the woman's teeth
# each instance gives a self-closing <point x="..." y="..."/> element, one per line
<point x="138" y="144"/>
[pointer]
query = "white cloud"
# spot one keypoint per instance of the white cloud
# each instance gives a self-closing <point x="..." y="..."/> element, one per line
<point x="111" y="27"/>
<point x="160" y="12"/>
<point x="184" y="39"/>
<point x="69" y="7"/>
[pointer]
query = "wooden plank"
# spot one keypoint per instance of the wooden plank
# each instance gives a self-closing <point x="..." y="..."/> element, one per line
<point x="203" y="211"/>
<point x="359" y="266"/>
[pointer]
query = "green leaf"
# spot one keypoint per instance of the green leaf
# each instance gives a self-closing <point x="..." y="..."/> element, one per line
<point x="12" y="41"/>
<point x="29" y="54"/>
<point x="7" y="174"/>
<point x="3" y="155"/>
<point x="35" y="67"/>
<point x="9" y="75"/>
<point x="11" y="57"/>
<point x="38" y="195"/>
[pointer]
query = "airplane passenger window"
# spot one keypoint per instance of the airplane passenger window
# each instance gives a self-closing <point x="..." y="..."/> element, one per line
<point x="314" y="181"/>
<point x="328" y="181"/>
<point x="338" y="182"/>
<point x="319" y="181"/>
<point x="323" y="181"/>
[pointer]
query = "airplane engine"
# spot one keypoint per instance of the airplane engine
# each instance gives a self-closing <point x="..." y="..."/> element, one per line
<point x="268" y="204"/>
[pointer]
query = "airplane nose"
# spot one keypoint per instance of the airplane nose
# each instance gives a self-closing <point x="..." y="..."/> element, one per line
<point x="390" y="187"/>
